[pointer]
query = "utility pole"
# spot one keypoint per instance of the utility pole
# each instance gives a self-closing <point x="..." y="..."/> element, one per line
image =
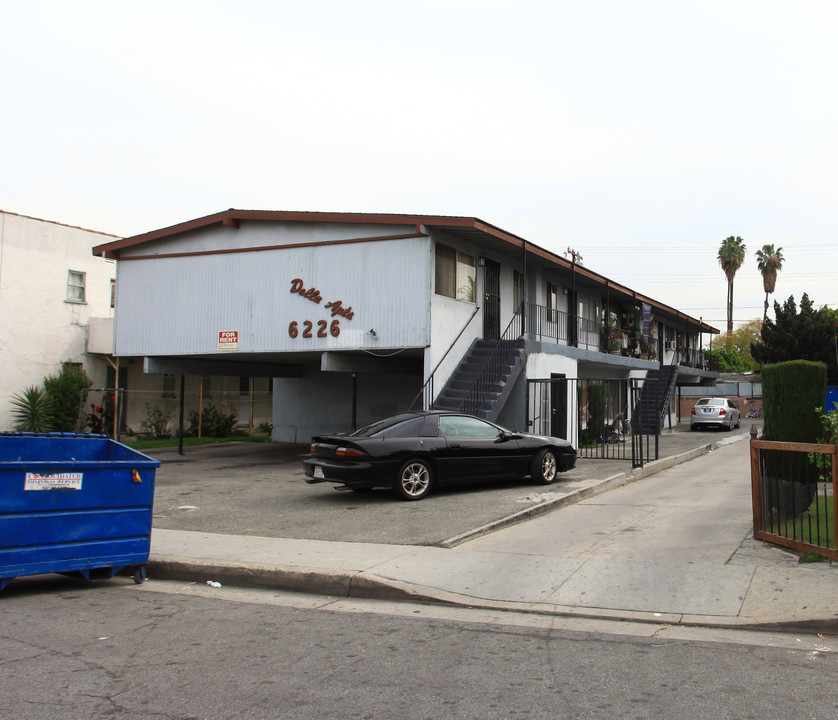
<point x="573" y="330"/>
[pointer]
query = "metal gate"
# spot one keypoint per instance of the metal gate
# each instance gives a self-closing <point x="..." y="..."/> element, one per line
<point x="604" y="416"/>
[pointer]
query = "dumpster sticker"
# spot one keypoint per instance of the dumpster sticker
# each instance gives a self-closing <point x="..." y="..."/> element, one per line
<point x="53" y="481"/>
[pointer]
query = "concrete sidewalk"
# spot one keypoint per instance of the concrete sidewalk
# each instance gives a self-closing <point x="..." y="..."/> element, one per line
<point x="750" y="584"/>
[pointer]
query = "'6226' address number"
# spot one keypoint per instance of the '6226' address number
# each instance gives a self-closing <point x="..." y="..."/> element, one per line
<point x="307" y="328"/>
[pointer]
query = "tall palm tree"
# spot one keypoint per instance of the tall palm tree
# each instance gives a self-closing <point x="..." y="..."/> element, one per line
<point x="769" y="262"/>
<point x="731" y="256"/>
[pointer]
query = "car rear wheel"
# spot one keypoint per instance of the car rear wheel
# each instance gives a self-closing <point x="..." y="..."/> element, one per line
<point x="414" y="481"/>
<point x="544" y="466"/>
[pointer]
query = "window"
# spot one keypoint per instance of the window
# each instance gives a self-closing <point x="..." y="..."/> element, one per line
<point x="552" y="293"/>
<point x="75" y="286"/>
<point x="168" y="385"/>
<point x="463" y="426"/>
<point x="113" y="293"/>
<point x="206" y="384"/>
<point x="456" y="274"/>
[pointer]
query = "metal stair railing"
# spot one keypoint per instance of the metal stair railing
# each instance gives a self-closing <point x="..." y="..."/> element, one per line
<point x="427" y="391"/>
<point x="663" y="412"/>
<point x="491" y="371"/>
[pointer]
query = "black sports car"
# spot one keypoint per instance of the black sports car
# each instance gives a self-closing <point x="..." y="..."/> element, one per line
<point x="413" y="451"/>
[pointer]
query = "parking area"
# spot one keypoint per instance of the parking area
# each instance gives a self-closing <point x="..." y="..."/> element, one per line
<point x="260" y="490"/>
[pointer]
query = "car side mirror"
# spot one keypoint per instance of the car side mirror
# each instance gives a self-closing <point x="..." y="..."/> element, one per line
<point x="505" y="436"/>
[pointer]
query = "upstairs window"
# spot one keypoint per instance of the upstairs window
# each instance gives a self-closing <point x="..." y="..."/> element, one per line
<point x="552" y="293"/>
<point x="456" y="274"/>
<point x="75" y="286"/>
<point x="113" y="293"/>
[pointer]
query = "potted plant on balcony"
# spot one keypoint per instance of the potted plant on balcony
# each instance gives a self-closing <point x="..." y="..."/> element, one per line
<point x="613" y="345"/>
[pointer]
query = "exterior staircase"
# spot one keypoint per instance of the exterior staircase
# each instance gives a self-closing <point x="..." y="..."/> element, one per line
<point x="484" y="379"/>
<point x="655" y="397"/>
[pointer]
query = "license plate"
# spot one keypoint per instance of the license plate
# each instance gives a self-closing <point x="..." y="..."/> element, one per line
<point x="318" y="472"/>
<point x="708" y="410"/>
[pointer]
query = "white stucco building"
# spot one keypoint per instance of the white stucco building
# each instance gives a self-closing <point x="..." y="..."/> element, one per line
<point x="55" y="304"/>
<point x="352" y="315"/>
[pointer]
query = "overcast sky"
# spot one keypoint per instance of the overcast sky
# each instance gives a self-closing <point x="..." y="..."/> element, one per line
<point x="641" y="133"/>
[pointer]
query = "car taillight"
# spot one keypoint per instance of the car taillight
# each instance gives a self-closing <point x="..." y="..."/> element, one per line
<point x="692" y="412"/>
<point x="312" y="448"/>
<point x="722" y="412"/>
<point x="348" y="452"/>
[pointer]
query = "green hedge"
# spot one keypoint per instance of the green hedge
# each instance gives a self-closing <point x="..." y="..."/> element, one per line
<point x="792" y="393"/>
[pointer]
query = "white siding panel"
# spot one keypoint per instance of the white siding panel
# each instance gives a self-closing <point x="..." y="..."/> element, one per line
<point x="171" y="306"/>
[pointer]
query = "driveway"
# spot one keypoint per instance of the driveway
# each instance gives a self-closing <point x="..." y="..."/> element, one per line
<point x="260" y="490"/>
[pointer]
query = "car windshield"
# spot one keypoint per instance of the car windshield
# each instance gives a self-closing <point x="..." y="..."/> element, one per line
<point x="711" y="401"/>
<point x="385" y="424"/>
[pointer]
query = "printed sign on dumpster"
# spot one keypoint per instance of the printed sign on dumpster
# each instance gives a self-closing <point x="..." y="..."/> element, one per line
<point x="53" y="481"/>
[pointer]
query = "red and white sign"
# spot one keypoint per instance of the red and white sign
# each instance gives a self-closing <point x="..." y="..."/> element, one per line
<point x="228" y="339"/>
<point x="53" y="481"/>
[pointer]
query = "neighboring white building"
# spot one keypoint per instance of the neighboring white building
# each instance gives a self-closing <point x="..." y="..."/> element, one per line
<point x="54" y="297"/>
<point x="352" y="315"/>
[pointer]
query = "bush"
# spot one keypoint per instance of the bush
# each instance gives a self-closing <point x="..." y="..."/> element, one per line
<point x="213" y="422"/>
<point x="66" y="394"/>
<point x="156" y="423"/>
<point x="31" y="410"/>
<point x="829" y="424"/>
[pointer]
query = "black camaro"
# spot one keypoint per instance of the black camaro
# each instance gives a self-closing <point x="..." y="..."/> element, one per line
<point x="413" y="451"/>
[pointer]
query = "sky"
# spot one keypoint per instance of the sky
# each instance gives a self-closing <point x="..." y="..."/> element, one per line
<point x="639" y="134"/>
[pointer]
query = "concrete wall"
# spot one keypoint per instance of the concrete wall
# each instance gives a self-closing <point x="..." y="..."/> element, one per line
<point x="321" y="402"/>
<point x="39" y="328"/>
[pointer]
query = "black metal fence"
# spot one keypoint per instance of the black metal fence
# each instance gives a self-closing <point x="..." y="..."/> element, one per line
<point x="600" y="417"/>
<point x="794" y="496"/>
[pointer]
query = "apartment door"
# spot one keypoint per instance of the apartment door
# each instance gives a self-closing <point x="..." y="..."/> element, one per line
<point x="491" y="300"/>
<point x="558" y="405"/>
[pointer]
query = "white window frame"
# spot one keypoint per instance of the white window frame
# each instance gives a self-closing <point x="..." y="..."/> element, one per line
<point x="76" y="281"/>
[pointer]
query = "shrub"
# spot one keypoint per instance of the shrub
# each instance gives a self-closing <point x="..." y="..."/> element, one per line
<point x="31" y="410"/>
<point x="156" y="423"/>
<point x="829" y="423"/>
<point x="67" y="393"/>
<point x="213" y="422"/>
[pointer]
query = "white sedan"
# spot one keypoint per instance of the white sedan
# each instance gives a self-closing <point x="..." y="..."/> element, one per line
<point x="714" y="411"/>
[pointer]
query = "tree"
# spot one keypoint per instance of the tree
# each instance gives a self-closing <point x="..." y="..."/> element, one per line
<point x="733" y="350"/>
<point x="769" y="262"/>
<point x="807" y="334"/>
<point x="731" y="256"/>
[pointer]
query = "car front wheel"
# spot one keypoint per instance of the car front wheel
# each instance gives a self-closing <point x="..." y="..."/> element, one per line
<point x="544" y="466"/>
<point x="414" y="481"/>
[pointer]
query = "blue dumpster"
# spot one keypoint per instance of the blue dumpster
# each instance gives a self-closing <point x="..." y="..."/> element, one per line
<point x="72" y="503"/>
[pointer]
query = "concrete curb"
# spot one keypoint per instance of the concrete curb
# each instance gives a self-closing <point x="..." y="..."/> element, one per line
<point x="367" y="585"/>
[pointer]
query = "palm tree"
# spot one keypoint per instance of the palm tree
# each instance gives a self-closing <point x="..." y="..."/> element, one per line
<point x="769" y="262"/>
<point x="730" y="257"/>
